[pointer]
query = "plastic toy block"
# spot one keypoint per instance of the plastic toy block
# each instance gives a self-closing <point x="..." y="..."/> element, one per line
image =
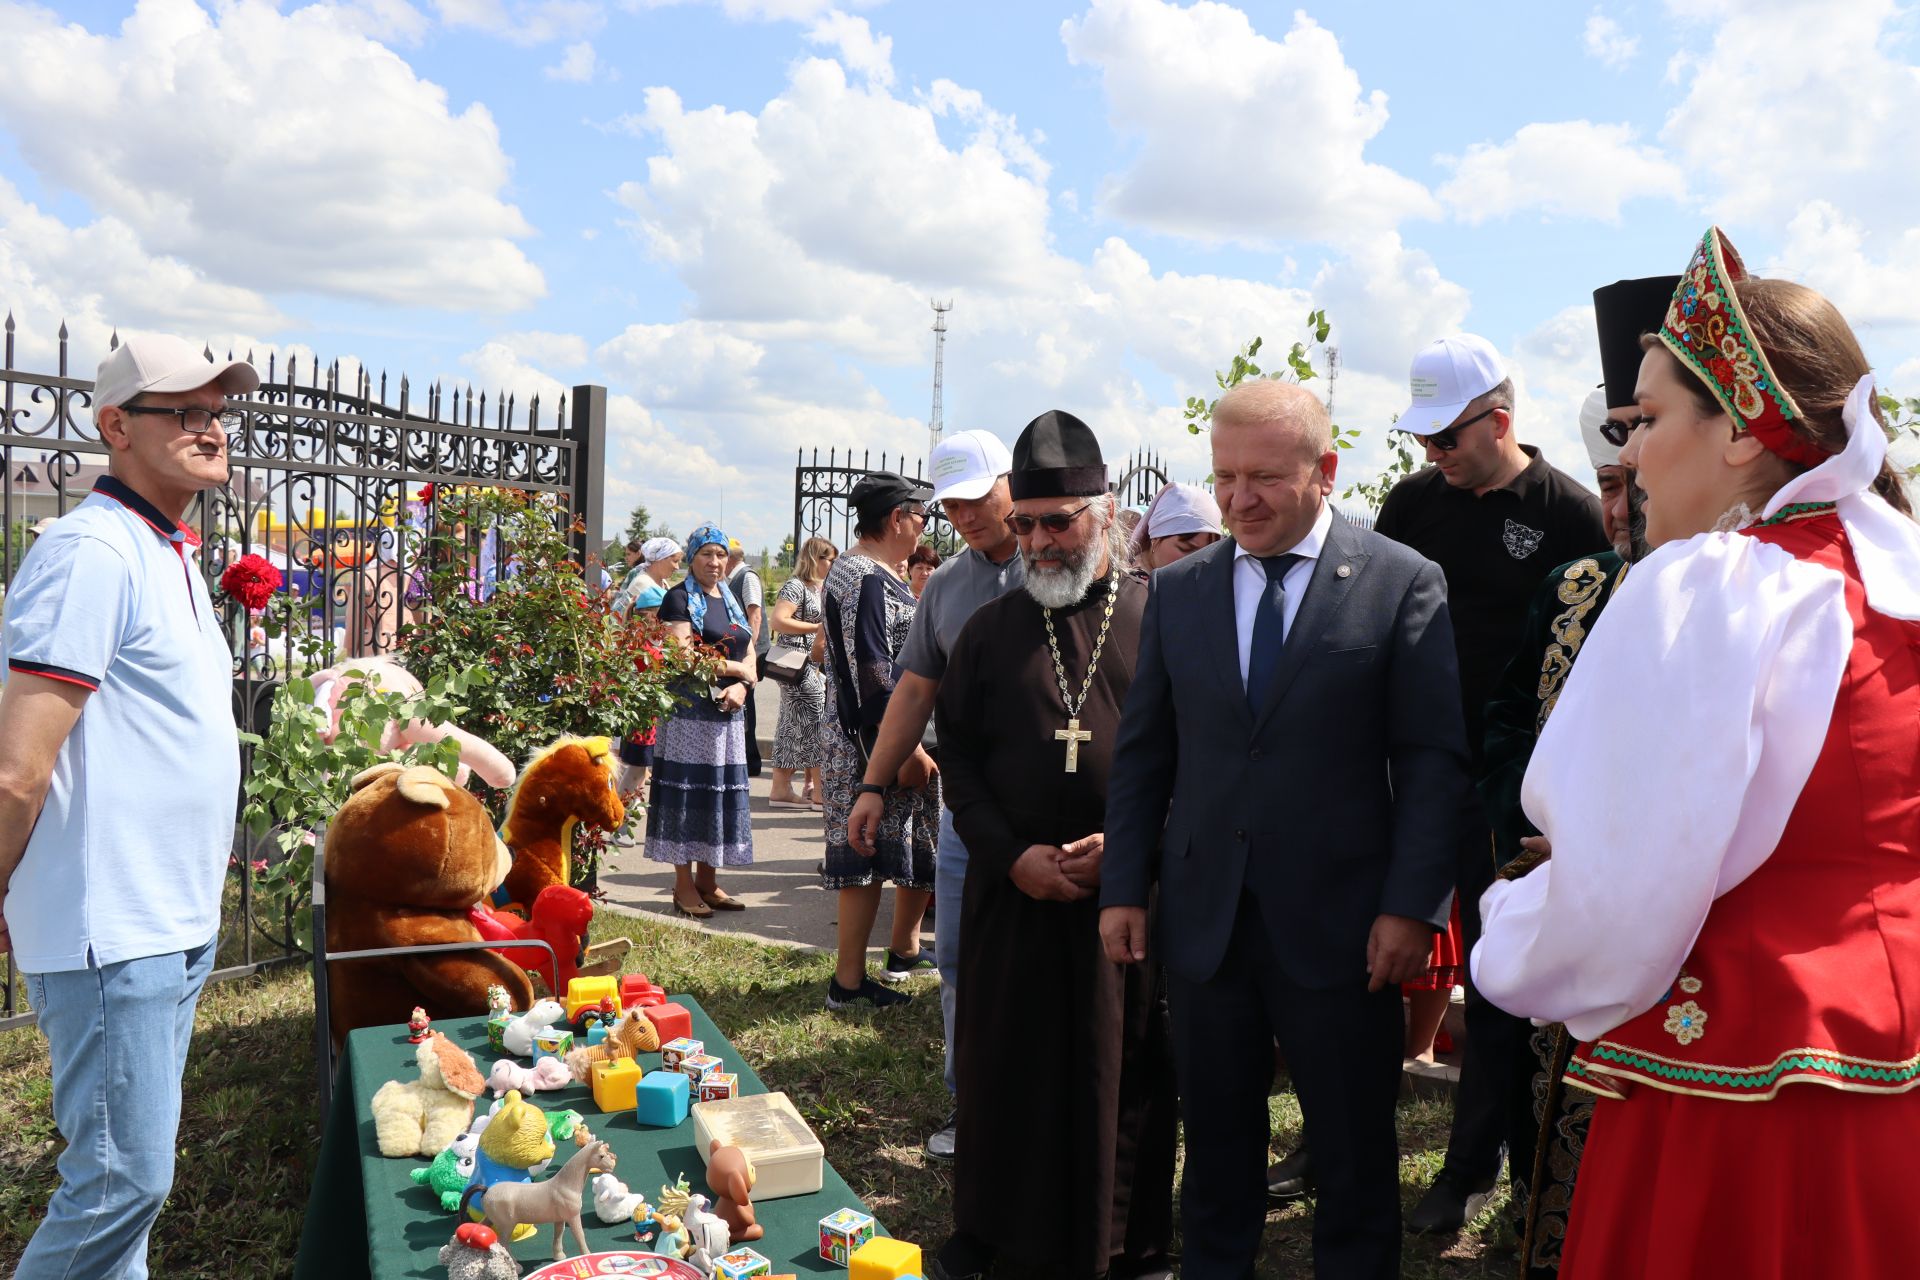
<point x="842" y="1232"/>
<point x="697" y="1066"/>
<point x="671" y="1021"/>
<point x="596" y="1033"/>
<point x="496" y="1032"/>
<point x="585" y="993"/>
<point x="661" y="1099"/>
<point x="554" y="1042"/>
<point x="884" y="1258"/>
<point x="717" y="1084"/>
<point x="741" y="1264"/>
<point x="614" y="1084"/>
<point x="672" y="1051"/>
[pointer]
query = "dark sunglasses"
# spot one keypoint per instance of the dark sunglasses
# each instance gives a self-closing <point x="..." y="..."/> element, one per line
<point x="1616" y="431"/>
<point x="1059" y="522"/>
<point x="1447" y="439"/>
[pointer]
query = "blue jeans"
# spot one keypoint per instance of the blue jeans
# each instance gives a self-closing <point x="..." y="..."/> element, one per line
<point x="118" y="1039"/>
<point x="949" y="887"/>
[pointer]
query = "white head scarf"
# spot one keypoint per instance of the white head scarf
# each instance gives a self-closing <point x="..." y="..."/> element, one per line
<point x="1601" y="452"/>
<point x="1177" y="509"/>
<point x="654" y="550"/>
<point x="1886" y="544"/>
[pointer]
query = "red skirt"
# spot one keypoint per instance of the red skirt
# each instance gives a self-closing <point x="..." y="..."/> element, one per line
<point x="1448" y="961"/>
<point x="1815" y="1183"/>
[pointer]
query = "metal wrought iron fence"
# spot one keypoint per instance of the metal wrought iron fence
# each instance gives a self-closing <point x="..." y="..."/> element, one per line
<point x="325" y="482"/>
<point x="821" y="489"/>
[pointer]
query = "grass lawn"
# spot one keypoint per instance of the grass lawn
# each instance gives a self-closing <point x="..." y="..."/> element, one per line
<point x="869" y="1084"/>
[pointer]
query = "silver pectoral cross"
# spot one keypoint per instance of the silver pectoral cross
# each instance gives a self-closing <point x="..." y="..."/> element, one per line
<point x="1073" y="735"/>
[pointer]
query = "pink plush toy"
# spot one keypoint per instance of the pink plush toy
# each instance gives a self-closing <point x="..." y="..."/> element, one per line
<point x="330" y="685"/>
<point x="547" y="1073"/>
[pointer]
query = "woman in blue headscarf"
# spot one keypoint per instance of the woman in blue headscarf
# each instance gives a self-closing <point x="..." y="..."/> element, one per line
<point x="699" y="819"/>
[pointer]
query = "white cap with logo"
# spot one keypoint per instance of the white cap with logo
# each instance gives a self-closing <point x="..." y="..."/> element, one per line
<point x="965" y="464"/>
<point x="160" y="363"/>
<point x="1448" y="375"/>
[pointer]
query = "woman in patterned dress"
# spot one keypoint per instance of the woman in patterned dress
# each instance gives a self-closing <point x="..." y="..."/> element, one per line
<point x="699" y="820"/>
<point x="869" y="613"/>
<point x="799" y="625"/>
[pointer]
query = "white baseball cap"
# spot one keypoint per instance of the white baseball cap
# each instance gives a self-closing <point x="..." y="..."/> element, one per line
<point x="160" y="363"/>
<point x="1448" y="375"/>
<point x="1601" y="452"/>
<point x="965" y="464"/>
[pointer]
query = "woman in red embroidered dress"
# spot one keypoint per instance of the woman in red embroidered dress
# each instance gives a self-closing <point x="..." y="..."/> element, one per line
<point x="1730" y="920"/>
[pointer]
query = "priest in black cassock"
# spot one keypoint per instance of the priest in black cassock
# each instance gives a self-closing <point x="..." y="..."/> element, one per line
<point x="1067" y="1109"/>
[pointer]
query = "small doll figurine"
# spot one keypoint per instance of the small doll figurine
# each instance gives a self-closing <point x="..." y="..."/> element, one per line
<point x="498" y="1001"/>
<point x="418" y="1024"/>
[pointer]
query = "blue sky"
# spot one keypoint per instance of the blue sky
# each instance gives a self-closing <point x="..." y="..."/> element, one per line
<point x="733" y="212"/>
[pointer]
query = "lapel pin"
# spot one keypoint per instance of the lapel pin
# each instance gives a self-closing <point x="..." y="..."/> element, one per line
<point x="1344" y="571"/>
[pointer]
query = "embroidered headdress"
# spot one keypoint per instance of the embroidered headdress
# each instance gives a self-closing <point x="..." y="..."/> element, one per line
<point x="1707" y="331"/>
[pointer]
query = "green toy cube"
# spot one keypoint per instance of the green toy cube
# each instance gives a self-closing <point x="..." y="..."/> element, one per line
<point x="554" y="1042"/>
<point x="497" y="1032"/>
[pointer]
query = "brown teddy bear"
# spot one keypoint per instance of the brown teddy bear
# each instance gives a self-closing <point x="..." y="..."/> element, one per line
<point x="730" y="1176"/>
<point x="406" y="856"/>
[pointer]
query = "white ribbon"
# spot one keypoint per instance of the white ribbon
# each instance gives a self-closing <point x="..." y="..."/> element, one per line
<point x="1886" y="544"/>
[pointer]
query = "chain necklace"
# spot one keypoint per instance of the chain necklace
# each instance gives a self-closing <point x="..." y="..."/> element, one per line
<point x="1073" y="735"/>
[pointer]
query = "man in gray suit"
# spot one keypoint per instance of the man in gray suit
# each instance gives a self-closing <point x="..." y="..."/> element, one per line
<point x="1289" y="767"/>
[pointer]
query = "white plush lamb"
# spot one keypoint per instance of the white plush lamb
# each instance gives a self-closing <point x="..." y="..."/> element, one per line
<point x="519" y="1033"/>
<point x="612" y="1202"/>
<point x="547" y="1073"/>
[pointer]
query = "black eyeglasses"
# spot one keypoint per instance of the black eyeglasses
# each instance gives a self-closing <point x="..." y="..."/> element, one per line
<point x="1447" y="439"/>
<point x="193" y="421"/>
<point x="1616" y="431"/>
<point x="1059" y="522"/>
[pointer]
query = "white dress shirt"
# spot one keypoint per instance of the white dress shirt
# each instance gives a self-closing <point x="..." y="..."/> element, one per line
<point x="1250" y="583"/>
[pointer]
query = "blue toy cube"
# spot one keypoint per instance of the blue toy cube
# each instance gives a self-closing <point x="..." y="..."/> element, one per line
<point x="597" y="1033"/>
<point x="662" y="1098"/>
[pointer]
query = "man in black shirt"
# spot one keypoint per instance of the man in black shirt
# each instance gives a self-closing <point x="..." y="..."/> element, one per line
<point x="1496" y="517"/>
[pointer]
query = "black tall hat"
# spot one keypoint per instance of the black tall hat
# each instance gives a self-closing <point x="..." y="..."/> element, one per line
<point x="1624" y="311"/>
<point x="1057" y="457"/>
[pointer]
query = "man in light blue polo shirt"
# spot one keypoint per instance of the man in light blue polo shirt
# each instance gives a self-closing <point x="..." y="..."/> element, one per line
<point x="119" y="771"/>
<point x="969" y="473"/>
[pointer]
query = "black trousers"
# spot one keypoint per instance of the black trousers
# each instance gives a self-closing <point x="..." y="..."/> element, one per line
<point x="1343" y="1049"/>
<point x="1493" y="1105"/>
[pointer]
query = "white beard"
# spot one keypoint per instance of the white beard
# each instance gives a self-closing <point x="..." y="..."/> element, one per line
<point x="1063" y="584"/>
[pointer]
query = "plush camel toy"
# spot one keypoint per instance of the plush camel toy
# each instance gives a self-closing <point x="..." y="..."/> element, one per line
<point x="388" y="676"/>
<point x="567" y="783"/>
<point x="406" y="856"/>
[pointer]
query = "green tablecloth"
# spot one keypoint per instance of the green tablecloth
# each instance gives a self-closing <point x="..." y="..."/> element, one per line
<point x="366" y="1217"/>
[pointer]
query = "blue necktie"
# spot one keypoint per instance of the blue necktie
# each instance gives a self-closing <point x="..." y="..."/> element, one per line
<point x="1269" y="629"/>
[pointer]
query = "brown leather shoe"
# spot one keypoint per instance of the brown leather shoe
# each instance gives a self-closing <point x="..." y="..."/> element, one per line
<point x="721" y="900"/>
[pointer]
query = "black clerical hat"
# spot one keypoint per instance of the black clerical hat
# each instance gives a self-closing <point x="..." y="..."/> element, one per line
<point x="1057" y="457"/>
<point x="1623" y="311"/>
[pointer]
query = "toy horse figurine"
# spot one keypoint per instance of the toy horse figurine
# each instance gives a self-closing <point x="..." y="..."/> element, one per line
<point x="508" y="1205"/>
<point x="566" y="784"/>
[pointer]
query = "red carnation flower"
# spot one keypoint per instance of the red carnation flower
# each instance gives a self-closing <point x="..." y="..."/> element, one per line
<point x="426" y="493"/>
<point x="251" y="580"/>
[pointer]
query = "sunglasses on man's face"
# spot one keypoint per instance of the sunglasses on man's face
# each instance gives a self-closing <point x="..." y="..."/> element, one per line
<point x="1447" y="439"/>
<point x="1059" y="522"/>
<point x="1616" y="431"/>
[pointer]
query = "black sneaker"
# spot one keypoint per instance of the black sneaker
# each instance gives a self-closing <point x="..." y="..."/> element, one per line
<point x="838" y="997"/>
<point x="941" y="1144"/>
<point x="900" y="968"/>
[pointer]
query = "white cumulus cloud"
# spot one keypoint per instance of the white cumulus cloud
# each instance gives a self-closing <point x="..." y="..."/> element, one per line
<point x="1608" y="42"/>
<point x="577" y="64"/>
<point x="1241" y="137"/>
<point x="860" y="49"/>
<point x="305" y="157"/>
<point x="1569" y="168"/>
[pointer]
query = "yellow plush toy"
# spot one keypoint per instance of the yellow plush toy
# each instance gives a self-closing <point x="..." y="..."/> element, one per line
<point x="514" y="1144"/>
<point x="421" y="1117"/>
